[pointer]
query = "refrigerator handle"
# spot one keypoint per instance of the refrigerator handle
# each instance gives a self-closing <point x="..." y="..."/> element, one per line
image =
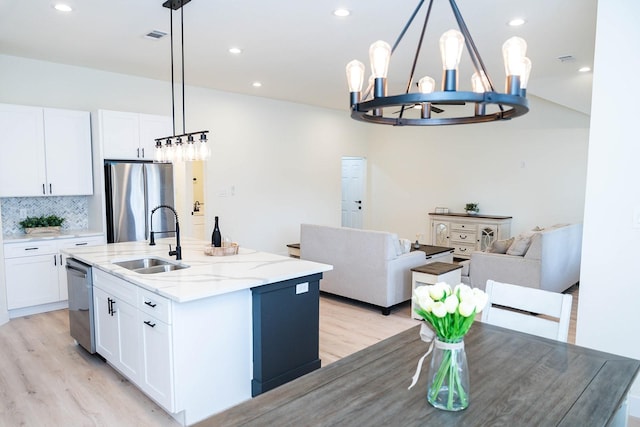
<point x="145" y="184"/>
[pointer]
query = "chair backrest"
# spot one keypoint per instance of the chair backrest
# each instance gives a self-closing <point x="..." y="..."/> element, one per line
<point x="528" y="310"/>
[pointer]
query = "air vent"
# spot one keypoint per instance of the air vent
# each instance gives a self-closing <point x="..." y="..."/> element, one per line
<point x="155" y="34"/>
<point x="566" y="58"/>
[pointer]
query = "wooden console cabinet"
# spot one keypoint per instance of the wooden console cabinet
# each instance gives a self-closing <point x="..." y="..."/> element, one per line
<point x="467" y="233"/>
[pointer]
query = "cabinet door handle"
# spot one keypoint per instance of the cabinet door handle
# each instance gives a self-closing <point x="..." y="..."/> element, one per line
<point x="143" y="152"/>
<point x="43" y="190"/>
<point x="137" y="152"/>
<point x="55" y="260"/>
<point x="148" y="323"/>
<point x="150" y="304"/>
<point x="81" y="244"/>
<point x="463" y="237"/>
<point x="30" y="249"/>
<point x="50" y="190"/>
<point x="60" y="259"/>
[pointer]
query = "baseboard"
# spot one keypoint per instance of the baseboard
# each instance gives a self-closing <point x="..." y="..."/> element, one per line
<point x="36" y="309"/>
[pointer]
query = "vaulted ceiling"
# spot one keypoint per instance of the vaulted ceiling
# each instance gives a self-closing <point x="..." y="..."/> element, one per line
<point x="298" y="50"/>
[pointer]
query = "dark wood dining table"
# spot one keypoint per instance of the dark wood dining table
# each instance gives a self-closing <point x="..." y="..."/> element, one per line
<point x="516" y="379"/>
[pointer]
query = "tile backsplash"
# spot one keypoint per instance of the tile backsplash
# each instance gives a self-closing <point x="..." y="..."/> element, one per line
<point x="74" y="210"/>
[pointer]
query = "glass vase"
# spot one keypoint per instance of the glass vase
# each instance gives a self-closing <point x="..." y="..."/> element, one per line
<point x="448" y="377"/>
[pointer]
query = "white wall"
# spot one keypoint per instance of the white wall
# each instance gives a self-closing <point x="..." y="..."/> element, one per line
<point x="532" y="168"/>
<point x="282" y="159"/>
<point x="609" y="283"/>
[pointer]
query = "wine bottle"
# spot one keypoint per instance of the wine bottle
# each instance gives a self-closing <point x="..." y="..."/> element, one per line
<point x="216" y="237"/>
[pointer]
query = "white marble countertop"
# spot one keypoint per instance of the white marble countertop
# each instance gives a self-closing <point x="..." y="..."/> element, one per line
<point x="64" y="234"/>
<point x="206" y="276"/>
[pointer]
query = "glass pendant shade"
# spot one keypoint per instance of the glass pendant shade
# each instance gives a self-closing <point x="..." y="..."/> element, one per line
<point x="524" y="77"/>
<point x="190" y="150"/>
<point x="426" y="84"/>
<point x="513" y="53"/>
<point x="158" y="155"/>
<point x="477" y="83"/>
<point x="380" y="54"/>
<point x="451" y="44"/>
<point x="355" y="75"/>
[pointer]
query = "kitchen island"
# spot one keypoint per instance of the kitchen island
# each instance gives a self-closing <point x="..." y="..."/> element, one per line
<point x="202" y="338"/>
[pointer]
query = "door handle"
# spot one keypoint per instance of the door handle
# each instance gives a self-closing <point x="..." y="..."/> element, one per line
<point x="358" y="201"/>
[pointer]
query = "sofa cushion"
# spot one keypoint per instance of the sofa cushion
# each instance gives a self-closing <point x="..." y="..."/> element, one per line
<point x="500" y="246"/>
<point x="520" y="244"/>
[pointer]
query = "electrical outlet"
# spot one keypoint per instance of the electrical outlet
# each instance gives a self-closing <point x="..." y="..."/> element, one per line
<point x="23" y="213"/>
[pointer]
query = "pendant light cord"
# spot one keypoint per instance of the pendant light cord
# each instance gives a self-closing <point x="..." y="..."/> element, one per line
<point x="184" y="129"/>
<point x="173" y="96"/>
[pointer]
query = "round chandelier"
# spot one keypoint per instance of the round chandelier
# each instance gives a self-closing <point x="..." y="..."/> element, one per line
<point x="376" y="106"/>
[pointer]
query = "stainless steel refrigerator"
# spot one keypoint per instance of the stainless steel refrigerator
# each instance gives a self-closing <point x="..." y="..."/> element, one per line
<point x="132" y="190"/>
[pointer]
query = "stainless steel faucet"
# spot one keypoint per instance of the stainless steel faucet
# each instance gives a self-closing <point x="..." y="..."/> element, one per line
<point x="152" y="240"/>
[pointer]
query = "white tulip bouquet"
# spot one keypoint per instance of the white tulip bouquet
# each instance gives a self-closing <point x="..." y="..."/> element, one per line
<point x="450" y="312"/>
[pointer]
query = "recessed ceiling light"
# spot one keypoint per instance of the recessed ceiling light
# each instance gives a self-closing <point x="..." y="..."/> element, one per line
<point x="63" y="7"/>
<point x="235" y="50"/>
<point x="584" y="69"/>
<point x="256" y="84"/>
<point x="516" y="22"/>
<point x="341" y="12"/>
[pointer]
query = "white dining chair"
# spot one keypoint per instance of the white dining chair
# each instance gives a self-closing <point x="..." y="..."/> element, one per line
<point x="534" y="311"/>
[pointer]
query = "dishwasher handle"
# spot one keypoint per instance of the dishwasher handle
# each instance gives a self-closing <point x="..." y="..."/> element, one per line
<point x="73" y="270"/>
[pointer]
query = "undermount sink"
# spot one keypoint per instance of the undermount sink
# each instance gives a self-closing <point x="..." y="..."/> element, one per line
<point x="150" y="265"/>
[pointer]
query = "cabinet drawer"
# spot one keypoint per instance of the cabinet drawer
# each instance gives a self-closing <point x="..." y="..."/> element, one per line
<point x="15" y="250"/>
<point x="463" y="250"/>
<point x="121" y="289"/>
<point x="81" y="241"/>
<point x="154" y="305"/>
<point x="463" y="226"/>
<point x="463" y="237"/>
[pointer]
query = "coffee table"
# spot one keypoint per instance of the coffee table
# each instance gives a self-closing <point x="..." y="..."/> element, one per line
<point x="435" y="253"/>
<point x="430" y="274"/>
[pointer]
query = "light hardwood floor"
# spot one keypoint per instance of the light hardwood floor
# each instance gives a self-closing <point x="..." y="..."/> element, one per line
<point x="47" y="380"/>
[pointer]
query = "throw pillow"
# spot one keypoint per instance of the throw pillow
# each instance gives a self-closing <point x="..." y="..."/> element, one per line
<point x="520" y="245"/>
<point x="405" y="244"/>
<point x="500" y="246"/>
<point x="397" y="245"/>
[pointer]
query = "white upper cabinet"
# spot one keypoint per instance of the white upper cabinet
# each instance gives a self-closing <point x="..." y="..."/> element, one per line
<point x="22" y="169"/>
<point x="131" y="136"/>
<point x="67" y="140"/>
<point x="48" y="154"/>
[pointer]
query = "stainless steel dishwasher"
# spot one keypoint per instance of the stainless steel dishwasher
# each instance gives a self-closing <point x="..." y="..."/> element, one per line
<point x="81" y="304"/>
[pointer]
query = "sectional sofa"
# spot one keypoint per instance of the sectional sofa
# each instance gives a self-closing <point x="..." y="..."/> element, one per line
<point x="369" y="266"/>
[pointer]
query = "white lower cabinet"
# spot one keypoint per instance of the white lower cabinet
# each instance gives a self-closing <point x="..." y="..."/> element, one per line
<point x="192" y="358"/>
<point x="116" y="323"/>
<point x="135" y="342"/>
<point x="157" y="361"/>
<point x="35" y="273"/>
<point x="31" y="280"/>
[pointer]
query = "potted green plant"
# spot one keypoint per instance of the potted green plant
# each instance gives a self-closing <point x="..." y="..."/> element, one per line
<point x="471" y="208"/>
<point x="41" y="224"/>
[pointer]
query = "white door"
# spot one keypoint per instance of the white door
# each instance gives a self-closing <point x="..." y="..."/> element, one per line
<point x="353" y="189"/>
